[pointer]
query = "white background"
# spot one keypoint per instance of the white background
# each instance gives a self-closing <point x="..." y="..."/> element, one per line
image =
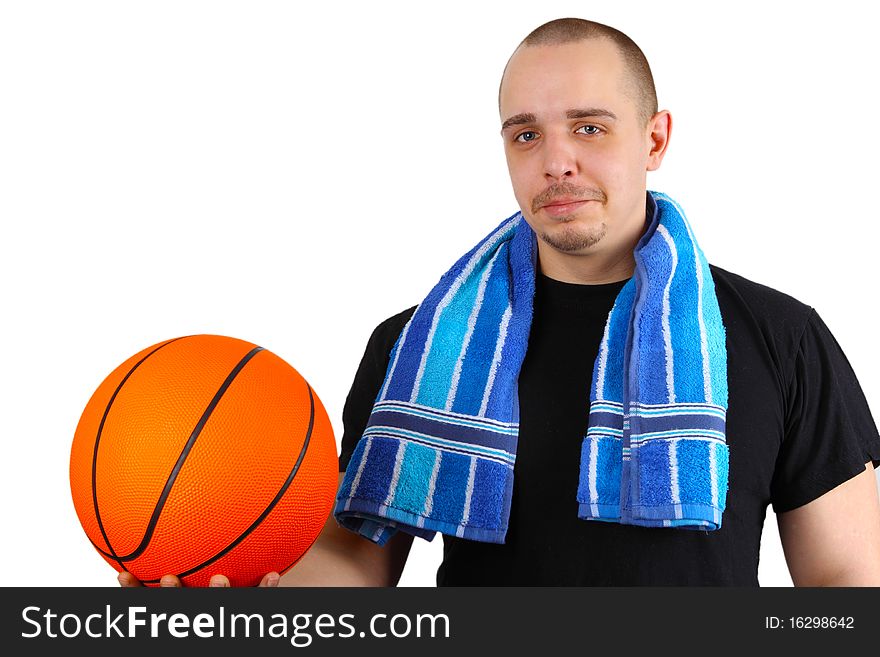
<point x="292" y="176"/>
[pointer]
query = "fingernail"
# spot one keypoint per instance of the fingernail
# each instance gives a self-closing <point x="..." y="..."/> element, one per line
<point x="218" y="583"/>
<point x="273" y="579"/>
<point x="123" y="579"/>
<point x="168" y="582"/>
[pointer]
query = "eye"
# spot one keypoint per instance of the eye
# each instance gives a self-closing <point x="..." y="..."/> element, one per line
<point x="596" y="128"/>
<point x="527" y="132"/>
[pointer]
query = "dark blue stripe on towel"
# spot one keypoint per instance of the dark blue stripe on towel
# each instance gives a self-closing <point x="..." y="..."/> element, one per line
<point x="488" y="495"/>
<point x="450" y="489"/>
<point x="376" y="474"/>
<point x="431" y="427"/>
<point x="649" y="424"/>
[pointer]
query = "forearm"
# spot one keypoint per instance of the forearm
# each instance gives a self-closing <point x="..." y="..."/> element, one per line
<point x="329" y="564"/>
<point x="342" y="558"/>
<point x="863" y="575"/>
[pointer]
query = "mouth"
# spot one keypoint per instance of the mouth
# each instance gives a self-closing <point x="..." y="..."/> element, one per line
<point x="560" y="209"/>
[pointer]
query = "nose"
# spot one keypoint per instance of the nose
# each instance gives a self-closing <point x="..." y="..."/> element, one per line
<point x="560" y="160"/>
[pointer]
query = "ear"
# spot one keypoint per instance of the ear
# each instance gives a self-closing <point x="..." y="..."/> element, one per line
<point x="657" y="135"/>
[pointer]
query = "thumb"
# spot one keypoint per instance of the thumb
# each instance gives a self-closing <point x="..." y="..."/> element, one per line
<point x="127" y="580"/>
<point x="270" y="580"/>
<point x="219" y="581"/>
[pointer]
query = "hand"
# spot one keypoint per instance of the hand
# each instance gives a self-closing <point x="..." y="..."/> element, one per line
<point x="127" y="580"/>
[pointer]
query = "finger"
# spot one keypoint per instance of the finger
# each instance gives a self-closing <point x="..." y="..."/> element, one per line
<point x="218" y="581"/>
<point x="270" y="580"/>
<point x="169" y="581"/>
<point x="127" y="580"/>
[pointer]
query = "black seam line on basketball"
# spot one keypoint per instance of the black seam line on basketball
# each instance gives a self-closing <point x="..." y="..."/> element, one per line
<point x="112" y="552"/>
<point x="160" y="504"/>
<point x="271" y="505"/>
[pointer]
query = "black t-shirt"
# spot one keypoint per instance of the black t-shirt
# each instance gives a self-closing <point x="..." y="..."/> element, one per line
<point x="797" y="426"/>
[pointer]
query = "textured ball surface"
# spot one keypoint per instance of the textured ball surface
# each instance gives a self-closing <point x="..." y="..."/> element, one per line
<point x="201" y="455"/>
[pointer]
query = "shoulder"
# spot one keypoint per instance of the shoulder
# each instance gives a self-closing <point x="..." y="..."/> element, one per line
<point x="392" y="327"/>
<point x="744" y="302"/>
<point x="757" y="296"/>
<point x="387" y="331"/>
<point x="762" y="324"/>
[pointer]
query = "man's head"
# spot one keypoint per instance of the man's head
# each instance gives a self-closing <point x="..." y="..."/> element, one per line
<point x="558" y="151"/>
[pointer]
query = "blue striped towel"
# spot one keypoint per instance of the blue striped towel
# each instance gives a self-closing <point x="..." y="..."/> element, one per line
<point x="440" y="444"/>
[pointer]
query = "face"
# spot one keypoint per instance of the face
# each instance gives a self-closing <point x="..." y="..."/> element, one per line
<point x="571" y="133"/>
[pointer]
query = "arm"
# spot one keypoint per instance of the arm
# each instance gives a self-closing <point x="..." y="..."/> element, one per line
<point x="835" y="539"/>
<point x="340" y="557"/>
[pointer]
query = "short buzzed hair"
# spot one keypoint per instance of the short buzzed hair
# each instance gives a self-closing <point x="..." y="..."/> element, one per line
<point x="639" y="86"/>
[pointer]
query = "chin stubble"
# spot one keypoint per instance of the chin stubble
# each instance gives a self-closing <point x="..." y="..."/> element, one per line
<point x="569" y="238"/>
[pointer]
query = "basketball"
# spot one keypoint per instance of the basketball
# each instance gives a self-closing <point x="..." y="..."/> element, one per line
<point x="201" y="455"/>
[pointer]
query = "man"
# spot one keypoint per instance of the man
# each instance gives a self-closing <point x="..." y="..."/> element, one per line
<point x="581" y="129"/>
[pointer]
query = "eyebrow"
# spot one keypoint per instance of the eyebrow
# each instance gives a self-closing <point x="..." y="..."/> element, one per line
<point x="529" y="117"/>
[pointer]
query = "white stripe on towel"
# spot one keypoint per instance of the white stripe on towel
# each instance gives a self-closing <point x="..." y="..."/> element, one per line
<point x="395" y="476"/>
<point x="357" y="476"/>
<point x="603" y="357"/>
<point x="591" y="473"/>
<point x="432" y="484"/>
<point x="467" y="498"/>
<point x="493" y="368"/>
<point x="667" y="336"/>
<point x="713" y="474"/>
<point x="396" y="356"/>
<point x="704" y="345"/>
<point x="673" y="477"/>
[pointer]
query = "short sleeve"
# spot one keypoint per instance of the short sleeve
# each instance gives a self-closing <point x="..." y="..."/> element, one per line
<point x="829" y="431"/>
<point x="367" y="383"/>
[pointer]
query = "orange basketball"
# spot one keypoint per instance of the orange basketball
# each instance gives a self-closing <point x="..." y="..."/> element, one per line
<point x="201" y="455"/>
